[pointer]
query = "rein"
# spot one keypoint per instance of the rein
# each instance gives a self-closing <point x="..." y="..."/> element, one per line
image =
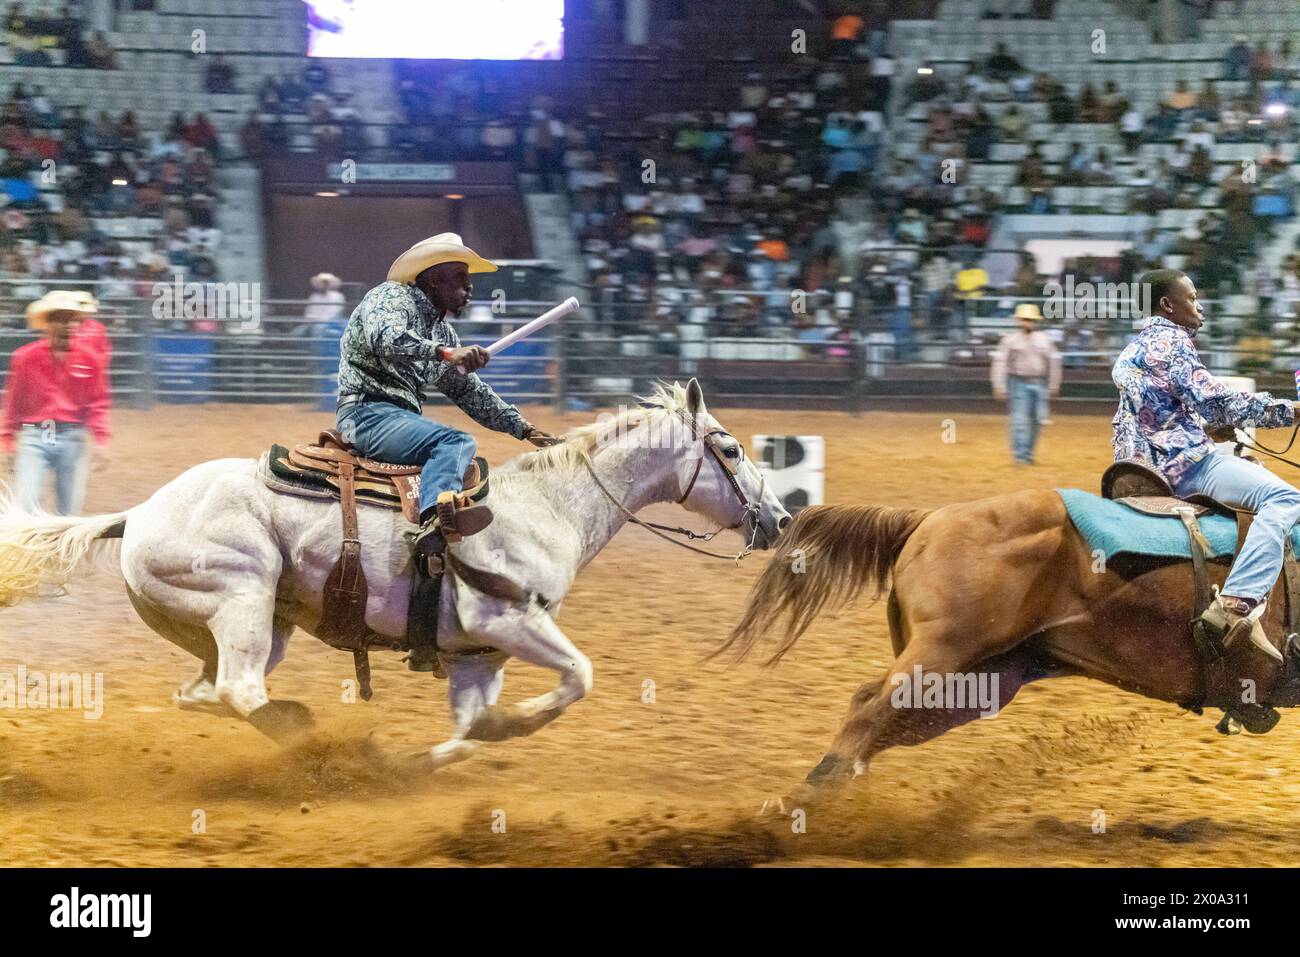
<point x="751" y="508"/>
<point x="1256" y="447"/>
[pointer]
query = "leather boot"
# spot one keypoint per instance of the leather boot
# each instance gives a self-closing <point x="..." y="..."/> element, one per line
<point x="1232" y="619"/>
<point x="454" y="517"/>
<point x="451" y="519"/>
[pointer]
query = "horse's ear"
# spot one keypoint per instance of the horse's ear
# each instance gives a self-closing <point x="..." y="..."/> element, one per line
<point x="694" y="397"/>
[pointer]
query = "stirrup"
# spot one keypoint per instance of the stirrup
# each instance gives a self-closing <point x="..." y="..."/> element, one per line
<point x="425" y="660"/>
<point x="458" y="516"/>
<point x="1254" y="631"/>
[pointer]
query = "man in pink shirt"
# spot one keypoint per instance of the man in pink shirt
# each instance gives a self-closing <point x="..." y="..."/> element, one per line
<point x="1026" y="369"/>
<point x="56" y="398"/>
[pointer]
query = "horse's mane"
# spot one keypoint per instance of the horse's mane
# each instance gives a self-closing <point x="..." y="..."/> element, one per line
<point x="586" y="439"/>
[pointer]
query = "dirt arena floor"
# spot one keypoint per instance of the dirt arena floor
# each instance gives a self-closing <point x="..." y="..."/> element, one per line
<point x="618" y="780"/>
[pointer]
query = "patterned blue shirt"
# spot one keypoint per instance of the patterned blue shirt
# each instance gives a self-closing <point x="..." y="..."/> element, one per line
<point x="1167" y="397"/>
<point x="387" y="351"/>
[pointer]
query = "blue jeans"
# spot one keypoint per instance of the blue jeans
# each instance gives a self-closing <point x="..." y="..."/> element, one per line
<point x="900" y="324"/>
<point x="390" y="433"/>
<point x="1028" y="397"/>
<point x="1276" y="504"/>
<point x="52" y="447"/>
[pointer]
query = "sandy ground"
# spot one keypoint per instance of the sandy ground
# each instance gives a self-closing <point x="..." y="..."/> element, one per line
<point x="619" y="780"/>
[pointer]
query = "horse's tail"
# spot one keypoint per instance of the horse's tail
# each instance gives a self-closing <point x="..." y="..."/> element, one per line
<point x="40" y="551"/>
<point x="827" y="555"/>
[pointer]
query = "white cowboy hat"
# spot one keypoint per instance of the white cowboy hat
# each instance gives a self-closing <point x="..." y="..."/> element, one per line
<point x="60" y="300"/>
<point x="443" y="248"/>
<point x="325" y="280"/>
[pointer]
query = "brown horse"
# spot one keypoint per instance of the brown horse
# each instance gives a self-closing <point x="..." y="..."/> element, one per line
<point x="1002" y="586"/>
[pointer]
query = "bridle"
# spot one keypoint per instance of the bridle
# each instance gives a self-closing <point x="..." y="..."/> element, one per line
<point x="712" y="441"/>
<point x="1256" y="447"/>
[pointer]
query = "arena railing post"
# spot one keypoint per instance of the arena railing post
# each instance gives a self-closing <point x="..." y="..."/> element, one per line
<point x="857" y="375"/>
<point x="147" y="397"/>
<point x="559" y="388"/>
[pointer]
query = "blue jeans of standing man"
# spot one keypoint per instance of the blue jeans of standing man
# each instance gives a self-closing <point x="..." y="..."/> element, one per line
<point x="390" y="433"/>
<point x="1027" y="399"/>
<point x="900" y="324"/>
<point x="1276" y="504"/>
<point x="50" y="447"/>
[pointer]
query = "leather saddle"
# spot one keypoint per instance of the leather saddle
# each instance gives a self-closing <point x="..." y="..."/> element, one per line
<point x="1145" y="490"/>
<point x="331" y="468"/>
<point x="321" y="466"/>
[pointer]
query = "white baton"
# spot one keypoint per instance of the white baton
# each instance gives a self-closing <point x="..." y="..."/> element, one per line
<point x="523" y="332"/>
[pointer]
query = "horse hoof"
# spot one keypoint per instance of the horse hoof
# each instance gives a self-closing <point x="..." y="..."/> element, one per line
<point x="491" y="724"/>
<point x="280" y="720"/>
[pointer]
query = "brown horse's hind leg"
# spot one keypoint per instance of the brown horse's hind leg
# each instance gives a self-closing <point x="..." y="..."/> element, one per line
<point x="883" y="713"/>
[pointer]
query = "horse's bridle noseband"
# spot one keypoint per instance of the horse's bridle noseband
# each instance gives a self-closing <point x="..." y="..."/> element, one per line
<point x="750" y="508"/>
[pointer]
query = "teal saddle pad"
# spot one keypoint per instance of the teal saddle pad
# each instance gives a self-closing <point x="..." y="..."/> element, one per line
<point x="1116" y="529"/>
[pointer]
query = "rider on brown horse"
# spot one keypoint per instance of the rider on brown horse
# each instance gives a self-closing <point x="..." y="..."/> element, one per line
<point x="1167" y="397"/>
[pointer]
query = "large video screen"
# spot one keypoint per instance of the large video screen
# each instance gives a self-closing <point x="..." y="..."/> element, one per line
<point x="436" y="29"/>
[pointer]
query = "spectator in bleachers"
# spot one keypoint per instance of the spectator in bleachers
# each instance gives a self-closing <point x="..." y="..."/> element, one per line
<point x="1164" y="123"/>
<point x="881" y="79"/>
<point x="1100" y="171"/>
<point x="1113" y="103"/>
<point x="1089" y="105"/>
<point x="1131" y="127"/>
<point x="316" y="77"/>
<point x="202" y="134"/>
<point x="846" y="34"/>
<point x="1060" y="108"/>
<point x="1182" y="100"/>
<point x="1261" y="62"/>
<point x="99" y="53"/>
<point x="1012" y="125"/>
<point x="1232" y="122"/>
<point x="1208" y="103"/>
<point x="1001" y="64"/>
<point x="293" y="93"/>
<point x="1236" y="60"/>
<point x="1074" y="165"/>
<point x="220" y="75"/>
<point x="926" y="86"/>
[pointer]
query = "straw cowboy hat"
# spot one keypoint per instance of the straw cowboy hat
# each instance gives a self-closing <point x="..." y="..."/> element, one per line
<point x="443" y="248"/>
<point x="60" y="300"/>
<point x="1027" y="310"/>
<point x="325" y="280"/>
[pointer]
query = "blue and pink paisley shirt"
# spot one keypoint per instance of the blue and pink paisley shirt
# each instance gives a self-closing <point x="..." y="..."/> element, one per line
<point x="1167" y="397"/>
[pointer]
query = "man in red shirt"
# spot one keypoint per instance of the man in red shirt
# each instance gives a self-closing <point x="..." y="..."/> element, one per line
<point x="90" y="333"/>
<point x="56" y="393"/>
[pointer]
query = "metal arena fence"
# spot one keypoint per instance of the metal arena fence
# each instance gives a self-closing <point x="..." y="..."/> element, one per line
<point x="749" y="347"/>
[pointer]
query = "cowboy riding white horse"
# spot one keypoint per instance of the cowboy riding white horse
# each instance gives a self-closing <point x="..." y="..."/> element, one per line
<point x="226" y="568"/>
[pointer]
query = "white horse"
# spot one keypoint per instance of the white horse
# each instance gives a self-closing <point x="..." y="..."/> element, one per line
<point x="226" y="568"/>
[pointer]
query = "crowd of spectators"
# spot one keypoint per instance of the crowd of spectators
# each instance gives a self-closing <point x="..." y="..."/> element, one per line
<point x="292" y="107"/>
<point x="64" y="175"/>
<point x="35" y="35"/>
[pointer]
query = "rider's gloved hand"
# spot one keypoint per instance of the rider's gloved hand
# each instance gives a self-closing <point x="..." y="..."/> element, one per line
<point x="541" y="439"/>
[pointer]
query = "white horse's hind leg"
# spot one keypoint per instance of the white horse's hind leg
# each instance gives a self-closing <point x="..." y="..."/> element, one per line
<point x="244" y="632"/>
<point x="474" y="683"/>
<point x="530" y="635"/>
<point x="200" y="694"/>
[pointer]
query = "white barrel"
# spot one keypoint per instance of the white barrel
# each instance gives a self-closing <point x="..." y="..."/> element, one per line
<point x="794" y="467"/>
